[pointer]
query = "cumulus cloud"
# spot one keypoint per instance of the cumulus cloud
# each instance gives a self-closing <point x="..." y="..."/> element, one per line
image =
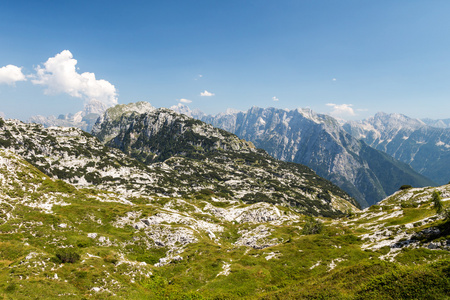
<point x="275" y="98"/>
<point x="341" y="110"/>
<point x="59" y="75"/>
<point x="10" y="74"/>
<point x="206" y="94"/>
<point x="334" y="79"/>
<point x="182" y="100"/>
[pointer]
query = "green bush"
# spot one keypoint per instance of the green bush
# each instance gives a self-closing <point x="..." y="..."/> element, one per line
<point x="312" y="226"/>
<point x="67" y="255"/>
<point x="11" y="287"/>
<point x="437" y="201"/>
<point x="5" y="143"/>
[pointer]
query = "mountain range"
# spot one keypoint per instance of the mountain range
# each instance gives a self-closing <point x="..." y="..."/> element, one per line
<point x="338" y="152"/>
<point x="425" y="148"/>
<point x="319" y="142"/>
<point x="439" y="123"/>
<point x="84" y="119"/>
<point x="204" y="151"/>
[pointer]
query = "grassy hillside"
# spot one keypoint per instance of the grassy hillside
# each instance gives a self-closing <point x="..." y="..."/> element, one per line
<point x="57" y="241"/>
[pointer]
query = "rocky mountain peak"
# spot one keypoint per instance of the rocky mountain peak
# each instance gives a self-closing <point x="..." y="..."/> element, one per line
<point x="95" y="107"/>
<point x="185" y="110"/>
<point x="161" y="133"/>
<point x="394" y="121"/>
<point x="120" y="110"/>
<point x="164" y="136"/>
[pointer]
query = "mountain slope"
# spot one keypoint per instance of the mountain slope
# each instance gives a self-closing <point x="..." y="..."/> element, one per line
<point x="319" y="142"/>
<point x="195" y="149"/>
<point x="58" y="241"/>
<point x="251" y="176"/>
<point x="426" y="149"/>
<point x="160" y="134"/>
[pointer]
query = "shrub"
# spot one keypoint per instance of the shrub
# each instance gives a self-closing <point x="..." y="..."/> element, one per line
<point x="5" y="143"/>
<point x="312" y="226"/>
<point x="437" y="201"/>
<point x="111" y="258"/>
<point x="405" y="187"/>
<point x="11" y="287"/>
<point x="67" y="255"/>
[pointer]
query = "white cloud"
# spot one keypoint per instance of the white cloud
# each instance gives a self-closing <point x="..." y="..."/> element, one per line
<point x="185" y="100"/>
<point x="2" y="114"/>
<point x="275" y="98"/>
<point x="59" y="74"/>
<point x="334" y="79"/>
<point x="341" y="110"/>
<point x="10" y="74"/>
<point x="206" y="94"/>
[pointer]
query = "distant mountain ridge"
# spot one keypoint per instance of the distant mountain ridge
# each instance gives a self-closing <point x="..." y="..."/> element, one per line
<point x="439" y="123"/>
<point x="84" y="119"/>
<point x="425" y="148"/>
<point x="319" y="141"/>
<point x="300" y="136"/>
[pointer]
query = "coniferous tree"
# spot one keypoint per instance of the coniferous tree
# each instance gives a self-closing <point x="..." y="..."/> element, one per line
<point x="437" y="202"/>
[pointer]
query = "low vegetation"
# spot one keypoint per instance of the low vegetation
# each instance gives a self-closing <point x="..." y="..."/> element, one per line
<point x="59" y="241"/>
<point x="79" y="220"/>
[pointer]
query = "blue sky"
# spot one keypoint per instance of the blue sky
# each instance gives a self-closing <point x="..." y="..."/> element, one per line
<point x="348" y="58"/>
